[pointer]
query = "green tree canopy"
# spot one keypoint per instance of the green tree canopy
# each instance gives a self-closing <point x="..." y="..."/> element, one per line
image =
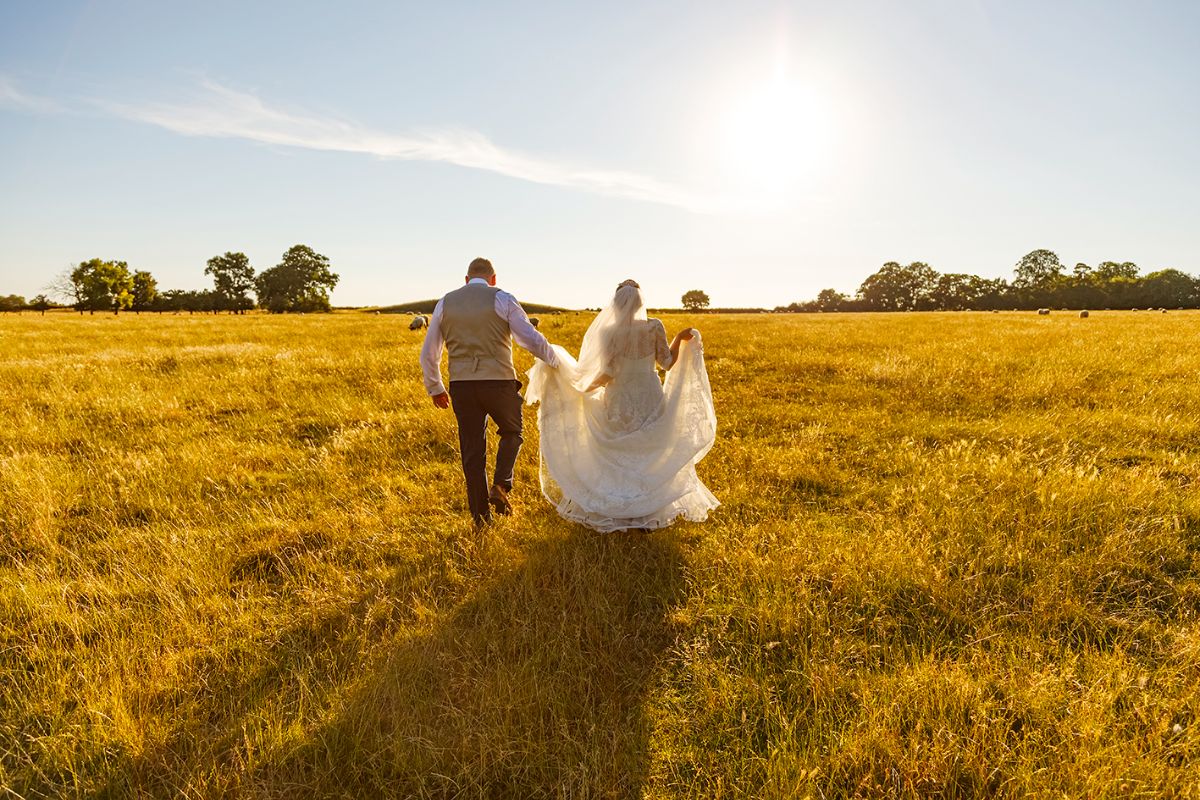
<point x="145" y="290"/>
<point x="1040" y="281"/>
<point x="897" y="288"/>
<point x="695" y="300"/>
<point x="300" y="282"/>
<point x="1038" y="270"/>
<point x="41" y="303"/>
<point x="1170" y="288"/>
<point x="99" y="285"/>
<point x="233" y="280"/>
<point x="956" y="291"/>
<point x="831" y="300"/>
<point x="1112" y="270"/>
<point x="189" y="300"/>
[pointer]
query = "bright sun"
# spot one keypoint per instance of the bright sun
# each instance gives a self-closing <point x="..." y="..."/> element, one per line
<point x="777" y="137"/>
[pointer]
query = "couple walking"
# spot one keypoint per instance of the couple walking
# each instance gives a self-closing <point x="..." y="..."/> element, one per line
<point x="618" y="446"/>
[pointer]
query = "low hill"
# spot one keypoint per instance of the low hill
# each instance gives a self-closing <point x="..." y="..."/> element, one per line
<point x="426" y="307"/>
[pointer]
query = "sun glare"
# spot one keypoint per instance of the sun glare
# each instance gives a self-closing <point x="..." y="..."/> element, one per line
<point x="777" y="138"/>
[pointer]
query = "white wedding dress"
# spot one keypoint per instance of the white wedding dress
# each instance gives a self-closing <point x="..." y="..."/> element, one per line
<point x="625" y="456"/>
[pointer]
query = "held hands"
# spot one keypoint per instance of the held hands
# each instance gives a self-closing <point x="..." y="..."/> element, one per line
<point x="441" y="400"/>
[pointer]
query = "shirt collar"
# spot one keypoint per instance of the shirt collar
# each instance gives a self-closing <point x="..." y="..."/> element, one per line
<point x="478" y="280"/>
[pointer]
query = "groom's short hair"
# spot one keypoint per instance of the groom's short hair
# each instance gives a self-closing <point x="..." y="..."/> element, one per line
<point x="480" y="268"/>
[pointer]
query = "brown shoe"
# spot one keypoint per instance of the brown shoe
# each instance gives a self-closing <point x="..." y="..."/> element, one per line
<point x="499" y="500"/>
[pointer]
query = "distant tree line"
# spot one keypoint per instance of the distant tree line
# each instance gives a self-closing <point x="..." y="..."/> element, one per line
<point x="1039" y="280"/>
<point x="300" y="282"/>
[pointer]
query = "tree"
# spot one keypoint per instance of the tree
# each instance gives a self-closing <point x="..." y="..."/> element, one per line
<point x="13" y="302"/>
<point x="201" y="300"/>
<point x="1169" y="287"/>
<point x="145" y="290"/>
<point x="957" y="291"/>
<point x="1038" y="270"/>
<point x="189" y="300"/>
<point x="1081" y="289"/>
<point x="695" y="300"/>
<point x="41" y="303"/>
<point x="300" y="282"/>
<point x="831" y="300"/>
<point x="233" y="280"/>
<point x="1040" y="281"/>
<point x="67" y="289"/>
<point x="1108" y="271"/>
<point x="995" y="294"/>
<point x="100" y="285"/>
<point x="170" y="300"/>
<point x="897" y="288"/>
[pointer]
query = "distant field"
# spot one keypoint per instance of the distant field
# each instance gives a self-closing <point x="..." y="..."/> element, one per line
<point x="957" y="557"/>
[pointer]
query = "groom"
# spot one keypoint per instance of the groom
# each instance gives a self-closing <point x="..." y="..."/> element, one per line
<point x="476" y="324"/>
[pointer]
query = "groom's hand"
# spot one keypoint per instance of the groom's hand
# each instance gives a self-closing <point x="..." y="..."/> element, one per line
<point x="441" y="400"/>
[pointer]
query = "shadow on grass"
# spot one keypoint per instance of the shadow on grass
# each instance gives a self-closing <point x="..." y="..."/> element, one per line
<point x="532" y="687"/>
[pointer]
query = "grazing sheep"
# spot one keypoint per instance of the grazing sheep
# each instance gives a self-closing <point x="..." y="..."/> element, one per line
<point x="1163" y="310"/>
<point x="1083" y="315"/>
<point x="534" y="321"/>
<point x="418" y="322"/>
<point x="1043" y="312"/>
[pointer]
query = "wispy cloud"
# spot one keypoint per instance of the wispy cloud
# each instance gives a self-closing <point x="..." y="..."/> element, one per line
<point x="14" y="98"/>
<point x="219" y="111"/>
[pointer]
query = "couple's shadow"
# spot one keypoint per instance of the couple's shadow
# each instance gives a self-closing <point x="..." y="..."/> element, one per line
<point x="535" y="685"/>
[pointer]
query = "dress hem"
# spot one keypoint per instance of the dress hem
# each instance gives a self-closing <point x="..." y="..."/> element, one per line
<point x="663" y="518"/>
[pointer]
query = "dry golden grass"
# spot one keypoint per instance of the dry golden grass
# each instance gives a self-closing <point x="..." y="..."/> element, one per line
<point x="957" y="557"/>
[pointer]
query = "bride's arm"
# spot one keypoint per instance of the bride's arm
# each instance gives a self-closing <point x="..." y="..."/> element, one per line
<point x="601" y="380"/>
<point x="684" y="335"/>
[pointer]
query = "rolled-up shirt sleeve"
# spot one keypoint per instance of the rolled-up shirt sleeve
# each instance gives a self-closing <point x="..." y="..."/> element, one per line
<point x="522" y="329"/>
<point x="431" y="353"/>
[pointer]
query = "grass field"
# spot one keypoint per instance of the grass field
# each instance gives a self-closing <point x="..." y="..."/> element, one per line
<point x="957" y="557"/>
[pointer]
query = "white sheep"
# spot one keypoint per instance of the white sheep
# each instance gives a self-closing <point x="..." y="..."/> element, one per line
<point x="1043" y="312"/>
<point x="418" y="322"/>
<point x="1083" y="314"/>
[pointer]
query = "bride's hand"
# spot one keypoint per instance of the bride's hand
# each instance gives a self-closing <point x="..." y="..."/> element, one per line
<point x="601" y="381"/>
<point x="687" y="334"/>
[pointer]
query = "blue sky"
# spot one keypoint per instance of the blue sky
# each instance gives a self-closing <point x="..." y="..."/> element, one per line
<point x="758" y="150"/>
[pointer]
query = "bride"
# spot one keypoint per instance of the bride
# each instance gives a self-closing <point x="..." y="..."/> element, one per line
<point x="619" y="448"/>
